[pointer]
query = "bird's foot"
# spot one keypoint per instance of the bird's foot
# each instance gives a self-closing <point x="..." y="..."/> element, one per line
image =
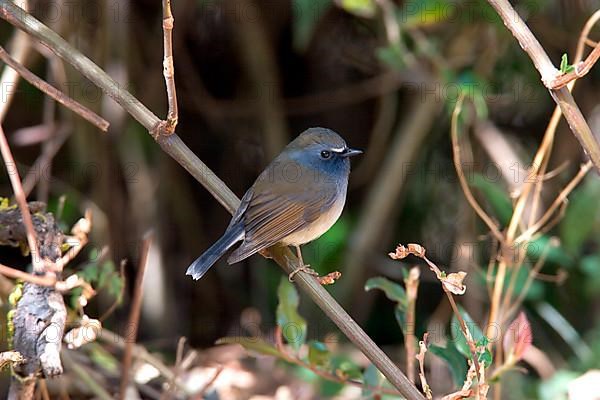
<point x="304" y="268"/>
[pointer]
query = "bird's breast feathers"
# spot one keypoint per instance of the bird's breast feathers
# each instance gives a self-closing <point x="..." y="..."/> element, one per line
<point x="316" y="228"/>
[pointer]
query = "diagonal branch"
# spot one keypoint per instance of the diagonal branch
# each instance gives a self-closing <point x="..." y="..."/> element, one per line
<point x="549" y="73"/>
<point x="51" y="91"/>
<point x="174" y="146"/>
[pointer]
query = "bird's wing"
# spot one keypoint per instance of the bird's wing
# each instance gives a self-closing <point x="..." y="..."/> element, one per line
<point x="269" y="218"/>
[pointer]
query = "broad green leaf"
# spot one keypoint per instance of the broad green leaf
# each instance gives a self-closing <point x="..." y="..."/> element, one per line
<point x="457" y="336"/>
<point x="318" y="354"/>
<point x="392" y="290"/>
<point x="252" y="344"/>
<point x="455" y="360"/>
<point x="496" y="196"/>
<point x="293" y="326"/>
<point x="361" y="8"/>
<point x="307" y="14"/>
<point x="581" y="216"/>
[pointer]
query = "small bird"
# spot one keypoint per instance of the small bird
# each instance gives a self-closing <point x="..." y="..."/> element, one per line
<point x="296" y="199"/>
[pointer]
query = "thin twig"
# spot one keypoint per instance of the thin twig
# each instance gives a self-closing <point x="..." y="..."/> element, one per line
<point x="15" y="180"/>
<point x="461" y="175"/>
<point x="134" y="315"/>
<point x="169" y="68"/>
<point x="410" y="341"/>
<point x="56" y="94"/>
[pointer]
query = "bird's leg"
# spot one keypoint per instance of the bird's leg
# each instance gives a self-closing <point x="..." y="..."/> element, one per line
<point x="302" y="267"/>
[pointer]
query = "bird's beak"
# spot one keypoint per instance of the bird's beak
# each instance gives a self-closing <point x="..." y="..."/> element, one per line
<point x="351" y="152"/>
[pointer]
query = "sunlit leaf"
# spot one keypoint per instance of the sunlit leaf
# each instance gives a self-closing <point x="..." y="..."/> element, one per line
<point x="293" y="326"/>
<point x="455" y="360"/>
<point x="565" y="67"/>
<point x="252" y="344"/>
<point x="361" y="8"/>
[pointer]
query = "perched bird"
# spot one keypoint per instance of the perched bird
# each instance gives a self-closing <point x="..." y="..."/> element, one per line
<point x="296" y="199"/>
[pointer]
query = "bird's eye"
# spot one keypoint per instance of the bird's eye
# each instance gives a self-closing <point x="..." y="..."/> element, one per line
<point x="325" y="154"/>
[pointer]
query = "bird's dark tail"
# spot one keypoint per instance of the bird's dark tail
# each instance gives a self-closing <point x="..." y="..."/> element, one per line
<point x="232" y="235"/>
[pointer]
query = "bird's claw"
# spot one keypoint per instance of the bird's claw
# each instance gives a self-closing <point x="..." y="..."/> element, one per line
<point x="304" y="268"/>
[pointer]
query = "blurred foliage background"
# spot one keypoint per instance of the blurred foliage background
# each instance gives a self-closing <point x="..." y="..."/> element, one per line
<point x="252" y="74"/>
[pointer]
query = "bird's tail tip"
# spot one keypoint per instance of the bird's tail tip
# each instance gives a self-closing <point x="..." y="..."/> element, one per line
<point x="195" y="272"/>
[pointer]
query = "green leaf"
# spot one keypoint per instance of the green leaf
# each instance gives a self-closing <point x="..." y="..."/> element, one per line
<point x="581" y="216"/>
<point x="293" y="326"/>
<point x="392" y="290"/>
<point x="318" y="354"/>
<point x="252" y="344"/>
<point x="485" y="357"/>
<point x="457" y="336"/>
<point x="564" y="63"/>
<point x="495" y="195"/>
<point x="565" y="67"/>
<point x="455" y="360"/>
<point x="307" y="14"/>
<point x="361" y="8"/>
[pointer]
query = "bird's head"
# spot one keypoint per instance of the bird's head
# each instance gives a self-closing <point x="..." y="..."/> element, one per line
<point x="324" y="150"/>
